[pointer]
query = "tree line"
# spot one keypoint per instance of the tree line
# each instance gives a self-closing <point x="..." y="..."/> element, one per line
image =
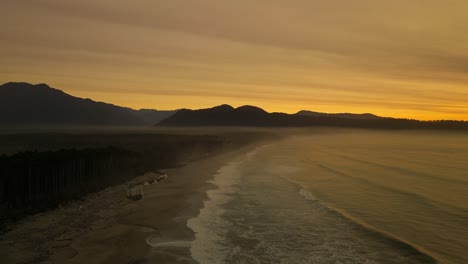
<point x="34" y="181"/>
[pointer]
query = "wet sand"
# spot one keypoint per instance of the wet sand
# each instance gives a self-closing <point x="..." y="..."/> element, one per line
<point x="106" y="227"/>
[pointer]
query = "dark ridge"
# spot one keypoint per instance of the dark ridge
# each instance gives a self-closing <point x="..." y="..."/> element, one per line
<point x="251" y="109"/>
<point x="27" y="104"/>
<point x="222" y="108"/>
<point x="256" y="117"/>
<point x="341" y="115"/>
<point x="223" y="115"/>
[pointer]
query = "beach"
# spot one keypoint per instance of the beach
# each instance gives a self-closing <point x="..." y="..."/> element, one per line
<point x="106" y="227"/>
<point x="336" y="197"/>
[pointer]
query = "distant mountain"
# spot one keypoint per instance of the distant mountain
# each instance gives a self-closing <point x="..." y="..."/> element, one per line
<point x="28" y="104"/>
<point x="223" y="115"/>
<point x="226" y="115"/>
<point x="340" y="115"/>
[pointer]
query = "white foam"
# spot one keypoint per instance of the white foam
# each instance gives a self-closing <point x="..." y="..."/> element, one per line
<point x="209" y="226"/>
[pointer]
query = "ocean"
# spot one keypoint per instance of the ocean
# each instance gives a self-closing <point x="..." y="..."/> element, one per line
<point x="344" y="196"/>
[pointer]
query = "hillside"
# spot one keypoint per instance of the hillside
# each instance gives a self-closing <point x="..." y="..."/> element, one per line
<point x="225" y="115"/>
<point x="28" y="104"/>
<point x="340" y="115"/>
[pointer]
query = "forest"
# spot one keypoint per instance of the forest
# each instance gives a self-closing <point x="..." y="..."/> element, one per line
<point x="36" y="180"/>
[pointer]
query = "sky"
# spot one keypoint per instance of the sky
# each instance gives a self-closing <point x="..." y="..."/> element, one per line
<point x="399" y="58"/>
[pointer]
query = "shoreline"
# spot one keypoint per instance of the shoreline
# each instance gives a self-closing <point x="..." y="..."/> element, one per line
<point x="108" y="228"/>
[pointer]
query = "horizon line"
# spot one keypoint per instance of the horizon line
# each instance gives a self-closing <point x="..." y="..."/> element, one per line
<point x="235" y="106"/>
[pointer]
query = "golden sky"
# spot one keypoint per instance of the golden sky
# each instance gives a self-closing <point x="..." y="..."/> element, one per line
<point x="401" y="58"/>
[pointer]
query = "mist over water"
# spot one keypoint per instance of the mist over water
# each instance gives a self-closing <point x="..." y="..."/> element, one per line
<point x="340" y="197"/>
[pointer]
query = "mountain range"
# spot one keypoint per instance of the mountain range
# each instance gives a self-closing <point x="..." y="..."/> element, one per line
<point x="340" y="115"/>
<point x="28" y="104"/>
<point x="226" y="115"/>
<point x="41" y="105"/>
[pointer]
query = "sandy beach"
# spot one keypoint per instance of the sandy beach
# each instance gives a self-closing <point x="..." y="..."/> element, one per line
<point x="106" y="227"/>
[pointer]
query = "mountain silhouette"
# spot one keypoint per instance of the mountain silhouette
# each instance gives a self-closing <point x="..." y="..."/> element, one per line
<point x="41" y="105"/>
<point x="226" y="115"/>
<point x="341" y="115"/>
<point x="28" y="104"/>
<point x="223" y="115"/>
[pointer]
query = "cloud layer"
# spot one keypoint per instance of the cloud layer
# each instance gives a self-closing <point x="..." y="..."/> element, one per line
<point x="396" y="58"/>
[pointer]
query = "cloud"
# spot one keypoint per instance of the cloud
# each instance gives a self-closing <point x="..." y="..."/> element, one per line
<point x="380" y="51"/>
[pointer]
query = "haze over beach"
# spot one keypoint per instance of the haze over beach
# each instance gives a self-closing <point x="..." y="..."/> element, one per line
<point x="215" y="132"/>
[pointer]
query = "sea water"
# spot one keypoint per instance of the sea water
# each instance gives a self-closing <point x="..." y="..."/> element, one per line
<point x="340" y="197"/>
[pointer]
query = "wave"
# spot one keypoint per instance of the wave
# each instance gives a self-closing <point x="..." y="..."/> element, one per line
<point x="216" y="222"/>
<point x="407" y="172"/>
<point x="418" y="197"/>
<point x="209" y="226"/>
<point x="395" y="241"/>
<point x="422" y="199"/>
<point x="392" y="158"/>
